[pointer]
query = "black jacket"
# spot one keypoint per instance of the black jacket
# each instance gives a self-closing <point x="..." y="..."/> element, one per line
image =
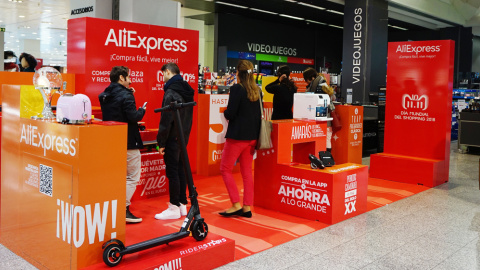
<point x="176" y="89"/>
<point x="282" y="100"/>
<point x="118" y="104"/>
<point x="243" y="115"/>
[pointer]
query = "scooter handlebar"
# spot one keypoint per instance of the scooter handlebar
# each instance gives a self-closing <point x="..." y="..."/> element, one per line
<point x="175" y="105"/>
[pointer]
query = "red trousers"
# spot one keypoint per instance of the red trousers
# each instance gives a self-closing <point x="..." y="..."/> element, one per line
<point x="243" y="152"/>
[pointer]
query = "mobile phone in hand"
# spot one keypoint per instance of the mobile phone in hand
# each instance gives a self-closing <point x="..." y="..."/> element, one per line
<point x="144" y="105"/>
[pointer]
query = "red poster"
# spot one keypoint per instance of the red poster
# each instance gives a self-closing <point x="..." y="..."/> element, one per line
<point x="153" y="181"/>
<point x="96" y="45"/>
<point x="418" y="112"/>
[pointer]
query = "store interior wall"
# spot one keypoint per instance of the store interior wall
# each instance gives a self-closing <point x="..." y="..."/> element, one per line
<point x="199" y="26"/>
<point x="476" y="54"/>
<point x="319" y="43"/>
<point x="156" y="12"/>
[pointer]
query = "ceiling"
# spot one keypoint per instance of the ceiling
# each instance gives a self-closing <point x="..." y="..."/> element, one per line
<point x="30" y="22"/>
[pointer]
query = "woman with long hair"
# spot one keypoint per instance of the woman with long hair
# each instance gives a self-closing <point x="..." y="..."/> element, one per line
<point x="282" y="89"/>
<point x="244" y="116"/>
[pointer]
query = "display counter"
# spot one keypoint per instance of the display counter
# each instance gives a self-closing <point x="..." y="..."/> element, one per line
<point x="62" y="188"/>
<point x="285" y="182"/>
<point x="469" y="129"/>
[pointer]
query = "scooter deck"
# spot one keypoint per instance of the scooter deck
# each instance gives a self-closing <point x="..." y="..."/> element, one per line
<point x="154" y="242"/>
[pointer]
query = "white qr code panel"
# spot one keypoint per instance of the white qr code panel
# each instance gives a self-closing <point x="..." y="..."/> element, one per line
<point x="46" y="180"/>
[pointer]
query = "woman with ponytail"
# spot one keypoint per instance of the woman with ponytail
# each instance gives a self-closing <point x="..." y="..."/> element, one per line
<point x="243" y="115"/>
<point x="282" y="89"/>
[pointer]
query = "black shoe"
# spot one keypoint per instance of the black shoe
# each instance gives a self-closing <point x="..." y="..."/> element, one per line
<point x="247" y="214"/>
<point x="131" y="218"/>
<point x="236" y="213"/>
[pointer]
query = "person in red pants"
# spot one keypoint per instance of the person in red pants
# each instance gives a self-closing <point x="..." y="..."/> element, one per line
<point x="244" y="116"/>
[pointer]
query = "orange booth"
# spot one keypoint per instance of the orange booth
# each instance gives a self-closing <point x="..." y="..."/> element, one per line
<point x="285" y="182"/>
<point x="62" y="188"/>
<point x="347" y="141"/>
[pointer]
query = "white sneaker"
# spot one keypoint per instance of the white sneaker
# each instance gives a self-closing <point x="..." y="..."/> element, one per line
<point x="172" y="212"/>
<point x="183" y="209"/>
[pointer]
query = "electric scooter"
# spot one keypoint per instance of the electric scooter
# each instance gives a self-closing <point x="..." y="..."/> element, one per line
<point x="114" y="249"/>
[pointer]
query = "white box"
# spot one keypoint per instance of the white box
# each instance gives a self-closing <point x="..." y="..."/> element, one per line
<point x="305" y="105"/>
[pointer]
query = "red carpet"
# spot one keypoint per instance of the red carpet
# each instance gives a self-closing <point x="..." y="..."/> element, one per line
<point x="265" y="230"/>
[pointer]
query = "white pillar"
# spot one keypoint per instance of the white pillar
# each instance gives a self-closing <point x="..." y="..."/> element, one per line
<point x="2" y="48"/>
<point x="91" y="8"/>
<point x="30" y="46"/>
<point x="155" y="12"/>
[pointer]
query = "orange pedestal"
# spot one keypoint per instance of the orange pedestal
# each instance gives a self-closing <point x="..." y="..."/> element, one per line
<point x="285" y="182"/>
<point x="63" y="188"/>
<point x="347" y="141"/>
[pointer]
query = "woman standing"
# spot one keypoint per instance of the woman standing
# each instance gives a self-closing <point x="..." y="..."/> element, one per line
<point x="243" y="115"/>
<point x="282" y="89"/>
<point x="28" y="62"/>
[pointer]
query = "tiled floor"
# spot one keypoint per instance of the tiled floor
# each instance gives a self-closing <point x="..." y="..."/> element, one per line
<point x="436" y="229"/>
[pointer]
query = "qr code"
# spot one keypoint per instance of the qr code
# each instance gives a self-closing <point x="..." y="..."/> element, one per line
<point x="46" y="180"/>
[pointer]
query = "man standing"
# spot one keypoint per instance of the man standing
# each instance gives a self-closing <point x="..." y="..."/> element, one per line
<point x="176" y="89"/>
<point x="118" y="104"/>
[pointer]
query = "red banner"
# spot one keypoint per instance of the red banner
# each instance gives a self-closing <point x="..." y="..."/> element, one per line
<point x="153" y="181"/>
<point x="418" y="113"/>
<point x="96" y="45"/>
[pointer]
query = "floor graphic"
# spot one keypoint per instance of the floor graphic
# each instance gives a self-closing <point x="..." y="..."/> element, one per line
<point x="252" y="235"/>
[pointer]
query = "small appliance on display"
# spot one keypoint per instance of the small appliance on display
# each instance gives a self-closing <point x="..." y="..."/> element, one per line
<point x="326" y="158"/>
<point x="74" y="109"/>
<point x="310" y="106"/>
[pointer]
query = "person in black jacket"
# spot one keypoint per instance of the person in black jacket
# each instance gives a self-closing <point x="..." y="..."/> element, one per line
<point x="243" y="114"/>
<point x="282" y="89"/>
<point x="118" y="104"/>
<point x="28" y="62"/>
<point x="176" y="89"/>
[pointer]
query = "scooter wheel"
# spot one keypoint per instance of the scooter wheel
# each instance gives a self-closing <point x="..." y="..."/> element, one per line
<point x="111" y="255"/>
<point x="199" y="230"/>
<point x="313" y="166"/>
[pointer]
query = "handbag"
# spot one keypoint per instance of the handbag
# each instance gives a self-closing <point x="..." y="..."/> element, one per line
<point x="264" y="138"/>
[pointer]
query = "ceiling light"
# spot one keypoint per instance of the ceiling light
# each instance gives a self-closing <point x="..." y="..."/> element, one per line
<point x="315" y="22"/>
<point x="38" y="38"/>
<point x="264" y="11"/>
<point x="34" y="33"/>
<point x="291" y="17"/>
<point x="334" y="11"/>
<point x="398" y="27"/>
<point x="312" y="6"/>
<point x="21" y="16"/>
<point x="22" y="35"/>
<point x="336" y="26"/>
<point x="291" y="1"/>
<point x="228" y="4"/>
<point x="47" y="10"/>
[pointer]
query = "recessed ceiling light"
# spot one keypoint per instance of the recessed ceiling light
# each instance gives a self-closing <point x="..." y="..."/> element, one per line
<point x="264" y="11"/>
<point x="47" y="10"/>
<point x="336" y="26"/>
<point x="38" y="38"/>
<point x="12" y="36"/>
<point x="397" y="27"/>
<point x="291" y="1"/>
<point x="291" y="17"/>
<point x="34" y="33"/>
<point x="22" y="35"/>
<point x="315" y="22"/>
<point x="228" y="4"/>
<point x="21" y="16"/>
<point x="334" y="11"/>
<point x="312" y="6"/>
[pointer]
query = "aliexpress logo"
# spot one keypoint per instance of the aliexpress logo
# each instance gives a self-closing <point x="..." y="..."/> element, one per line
<point x="130" y="39"/>
<point x="32" y="136"/>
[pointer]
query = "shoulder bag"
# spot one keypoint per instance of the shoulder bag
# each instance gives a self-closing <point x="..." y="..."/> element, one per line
<point x="264" y="138"/>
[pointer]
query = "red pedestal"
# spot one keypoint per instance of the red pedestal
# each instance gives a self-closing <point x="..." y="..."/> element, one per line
<point x="283" y="182"/>
<point x="347" y="141"/>
<point x="418" y="113"/>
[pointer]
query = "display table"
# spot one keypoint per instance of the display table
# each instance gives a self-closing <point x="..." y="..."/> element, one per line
<point x="285" y="182"/>
<point x="63" y="188"/>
